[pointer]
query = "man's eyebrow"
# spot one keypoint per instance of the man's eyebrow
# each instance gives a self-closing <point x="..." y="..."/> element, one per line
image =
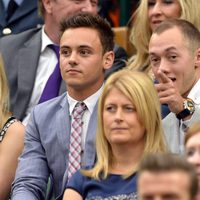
<point x="64" y="47"/>
<point x="171" y="48"/>
<point x="152" y="54"/>
<point x="81" y="46"/>
<point x="166" y="50"/>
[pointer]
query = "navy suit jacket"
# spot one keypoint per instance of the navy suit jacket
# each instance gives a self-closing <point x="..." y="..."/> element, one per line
<point x="24" y="18"/>
<point x="46" y="150"/>
<point x="24" y="49"/>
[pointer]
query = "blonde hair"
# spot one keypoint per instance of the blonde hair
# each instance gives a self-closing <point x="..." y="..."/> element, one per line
<point x="138" y="87"/>
<point x="191" y="131"/>
<point x="141" y="32"/>
<point x="4" y="95"/>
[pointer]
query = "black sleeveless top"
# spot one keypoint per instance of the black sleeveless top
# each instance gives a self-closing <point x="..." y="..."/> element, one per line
<point x="10" y="121"/>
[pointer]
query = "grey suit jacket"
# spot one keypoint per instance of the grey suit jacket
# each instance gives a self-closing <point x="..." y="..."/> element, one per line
<point x="21" y="55"/>
<point x="46" y="150"/>
<point x="24" y="18"/>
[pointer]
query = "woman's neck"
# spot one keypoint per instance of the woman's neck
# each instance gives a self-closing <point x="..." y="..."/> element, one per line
<point x="125" y="159"/>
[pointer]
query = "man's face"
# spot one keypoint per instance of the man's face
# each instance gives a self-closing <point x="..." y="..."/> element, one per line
<point x="171" y="55"/>
<point x="172" y="185"/>
<point x="82" y="61"/>
<point x="62" y="8"/>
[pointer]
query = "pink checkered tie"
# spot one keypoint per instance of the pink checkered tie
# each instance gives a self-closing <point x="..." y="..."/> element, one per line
<point x="75" y="138"/>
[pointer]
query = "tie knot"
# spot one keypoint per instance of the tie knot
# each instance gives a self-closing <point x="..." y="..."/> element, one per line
<point x="79" y="110"/>
<point x="55" y="48"/>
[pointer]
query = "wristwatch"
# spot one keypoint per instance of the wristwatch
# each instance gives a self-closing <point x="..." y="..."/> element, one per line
<point x="189" y="109"/>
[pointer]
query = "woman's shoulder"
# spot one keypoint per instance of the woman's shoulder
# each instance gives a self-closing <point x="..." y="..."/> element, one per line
<point x="12" y="126"/>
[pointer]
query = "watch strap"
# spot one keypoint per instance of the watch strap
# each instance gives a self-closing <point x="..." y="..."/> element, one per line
<point x="184" y="113"/>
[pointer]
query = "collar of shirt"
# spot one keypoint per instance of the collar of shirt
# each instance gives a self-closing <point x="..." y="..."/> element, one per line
<point x="90" y="102"/>
<point x="45" y="40"/>
<point x="6" y="2"/>
<point x="195" y="93"/>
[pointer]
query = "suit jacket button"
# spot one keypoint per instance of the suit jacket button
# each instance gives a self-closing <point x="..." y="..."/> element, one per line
<point x="6" y="31"/>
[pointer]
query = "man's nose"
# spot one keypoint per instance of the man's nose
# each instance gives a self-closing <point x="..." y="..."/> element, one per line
<point x="72" y="58"/>
<point x="164" y="66"/>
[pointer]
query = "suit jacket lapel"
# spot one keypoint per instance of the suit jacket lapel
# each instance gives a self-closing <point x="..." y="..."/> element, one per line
<point x="90" y="152"/>
<point x="27" y="68"/>
<point x="63" y="125"/>
<point x="2" y="15"/>
<point x="63" y="128"/>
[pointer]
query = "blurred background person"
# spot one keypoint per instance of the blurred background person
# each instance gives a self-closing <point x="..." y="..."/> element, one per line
<point x="18" y="15"/>
<point x="11" y="139"/>
<point x="192" y="148"/>
<point x="129" y="127"/>
<point x="109" y="9"/>
<point x="166" y="176"/>
<point x="149" y="14"/>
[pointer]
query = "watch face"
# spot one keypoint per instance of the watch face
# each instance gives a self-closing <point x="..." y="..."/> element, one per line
<point x="189" y="105"/>
<point x="189" y="109"/>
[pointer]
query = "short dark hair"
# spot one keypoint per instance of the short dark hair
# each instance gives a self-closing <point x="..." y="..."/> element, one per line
<point x="165" y="162"/>
<point x="189" y="31"/>
<point x="88" y="20"/>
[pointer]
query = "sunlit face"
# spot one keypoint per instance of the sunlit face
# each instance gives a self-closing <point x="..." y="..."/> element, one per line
<point x="170" y="53"/>
<point x="193" y="152"/>
<point x="160" y="10"/>
<point x="63" y="8"/>
<point x="163" y="186"/>
<point x="82" y="60"/>
<point x="120" y="119"/>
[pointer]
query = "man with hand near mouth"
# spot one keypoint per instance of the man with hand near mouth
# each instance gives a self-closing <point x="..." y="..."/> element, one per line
<point x="174" y="51"/>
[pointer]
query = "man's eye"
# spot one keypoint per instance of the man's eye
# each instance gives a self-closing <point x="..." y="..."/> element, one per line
<point x="154" y="60"/>
<point x="85" y="52"/>
<point x="172" y="57"/>
<point x="94" y="3"/>
<point x="65" y="52"/>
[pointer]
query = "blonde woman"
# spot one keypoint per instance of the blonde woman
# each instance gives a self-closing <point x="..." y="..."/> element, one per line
<point x="129" y="127"/>
<point x="11" y="139"/>
<point x="148" y="16"/>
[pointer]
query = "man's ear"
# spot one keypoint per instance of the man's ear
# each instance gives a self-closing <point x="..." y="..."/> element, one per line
<point x="47" y="5"/>
<point x="197" y="58"/>
<point x="108" y="59"/>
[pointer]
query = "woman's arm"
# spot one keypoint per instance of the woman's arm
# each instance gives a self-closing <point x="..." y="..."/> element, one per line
<point x="72" y="195"/>
<point x="10" y="149"/>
